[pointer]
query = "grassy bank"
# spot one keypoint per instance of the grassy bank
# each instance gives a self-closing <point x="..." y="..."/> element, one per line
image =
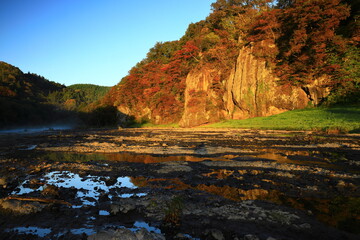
<point x="332" y="119"/>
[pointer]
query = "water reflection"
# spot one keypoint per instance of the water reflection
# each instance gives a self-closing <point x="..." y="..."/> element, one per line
<point x="236" y="183"/>
<point x="121" y="157"/>
<point x="89" y="188"/>
<point x="41" y="232"/>
<point x="341" y="212"/>
<point x="281" y="156"/>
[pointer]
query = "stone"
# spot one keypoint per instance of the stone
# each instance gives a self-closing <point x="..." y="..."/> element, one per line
<point x="122" y="207"/>
<point x="250" y="237"/>
<point x="50" y="190"/>
<point x="181" y="236"/>
<point x="214" y="234"/>
<point x="174" y="167"/>
<point x="271" y="238"/>
<point x="143" y="234"/>
<point x="3" y="182"/>
<point x="21" y="207"/>
<point x="126" y="234"/>
<point x="305" y="226"/>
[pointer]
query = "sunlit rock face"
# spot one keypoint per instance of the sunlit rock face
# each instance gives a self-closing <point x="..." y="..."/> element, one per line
<point x="203" y="103"/>
<point x="210" y="93"/>
<point x="251" y="90"/>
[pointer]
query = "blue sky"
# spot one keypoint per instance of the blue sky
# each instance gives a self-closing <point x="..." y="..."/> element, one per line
<point x="90" y="41"/>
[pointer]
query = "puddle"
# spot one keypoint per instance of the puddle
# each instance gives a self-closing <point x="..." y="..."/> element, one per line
<point x="104" y="213"/>
<point x="139" y="225"/>
<point x="278" y="155"/>
<point x="242" y="182"/>
<point x="334" y="212"/>
<point x="41" y="232"/>
<point x="80" y="231"/>
<point x="28" y="148"/>
<point x="89" y="188"/>
<point x="44" y="232"/>
<point x="122" y="157"/>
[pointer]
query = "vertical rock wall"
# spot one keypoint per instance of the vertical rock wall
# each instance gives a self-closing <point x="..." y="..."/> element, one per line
<point x="250" y="91"/>
<point x="203" y="103"/>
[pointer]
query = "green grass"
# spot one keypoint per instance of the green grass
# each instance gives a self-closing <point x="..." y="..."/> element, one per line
<point x="344" y="119"/>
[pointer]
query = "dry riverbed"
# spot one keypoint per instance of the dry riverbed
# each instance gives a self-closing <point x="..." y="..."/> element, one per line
<point x="179" y="184"/>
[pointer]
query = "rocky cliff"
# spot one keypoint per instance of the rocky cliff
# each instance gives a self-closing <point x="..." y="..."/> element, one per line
<point x="251" y="90"/>
<point x="211" y="94"/>
<point x="246" y="60"/>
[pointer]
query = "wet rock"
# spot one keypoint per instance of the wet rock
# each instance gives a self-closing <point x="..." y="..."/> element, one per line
<point x="282" y="217"/>
<point x="50" y="190"/>
<point x="143" y="234"/>
<point x="21" y="207"/>
<point x="3" y="182"/>
<point x="251" y="237"/>
<point x="123" y="207"/>
<point x="126" y="234"/>
<point x="110" y="181"/>
<point x="181" y="236"/>
<point x="304" y="226"/>
<point x="214" y="234"/>
<point x="174" y="167"/>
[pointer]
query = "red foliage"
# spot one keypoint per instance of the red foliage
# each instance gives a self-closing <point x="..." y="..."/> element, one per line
<point x="266" y="26"/>
<point x="307" y="32"/>
<point x="188" y="51"/>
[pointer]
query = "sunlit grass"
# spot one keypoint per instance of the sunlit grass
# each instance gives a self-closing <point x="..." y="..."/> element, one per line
<point x="343" y="119"/>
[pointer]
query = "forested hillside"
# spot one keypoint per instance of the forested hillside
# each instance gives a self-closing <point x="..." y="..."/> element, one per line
<point x="79" y="97"/>
<point x="248" y="58"/>
<point x="23" y="97"/>
<point x="27" y="99"/>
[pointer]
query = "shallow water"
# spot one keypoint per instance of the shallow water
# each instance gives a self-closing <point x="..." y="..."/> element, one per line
<point x="310" y="158"/>
<point x="89" y="188"/>
<point x="41" y="232"/>
<point x="273" y="176"/>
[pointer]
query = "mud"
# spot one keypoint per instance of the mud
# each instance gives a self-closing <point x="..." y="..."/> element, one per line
<point x="179" y="184"/>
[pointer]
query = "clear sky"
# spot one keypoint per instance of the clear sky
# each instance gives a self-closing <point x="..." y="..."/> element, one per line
<point x="90" y="41"/>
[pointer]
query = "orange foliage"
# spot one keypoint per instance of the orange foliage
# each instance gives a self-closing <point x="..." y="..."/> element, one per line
<point x="294" y="39"/>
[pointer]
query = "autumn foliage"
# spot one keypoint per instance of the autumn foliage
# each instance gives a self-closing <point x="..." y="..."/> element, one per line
<point x="301" y="41"/>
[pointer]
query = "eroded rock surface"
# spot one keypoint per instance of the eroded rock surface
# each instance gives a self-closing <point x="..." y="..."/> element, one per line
<point x="180" y="184"/>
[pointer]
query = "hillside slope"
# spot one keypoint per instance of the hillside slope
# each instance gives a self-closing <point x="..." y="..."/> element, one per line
<point x="27" y="99"/>
<point x="78" y="97"/>
<point x="247" y="59"/>
<point x="23" y="98"/>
